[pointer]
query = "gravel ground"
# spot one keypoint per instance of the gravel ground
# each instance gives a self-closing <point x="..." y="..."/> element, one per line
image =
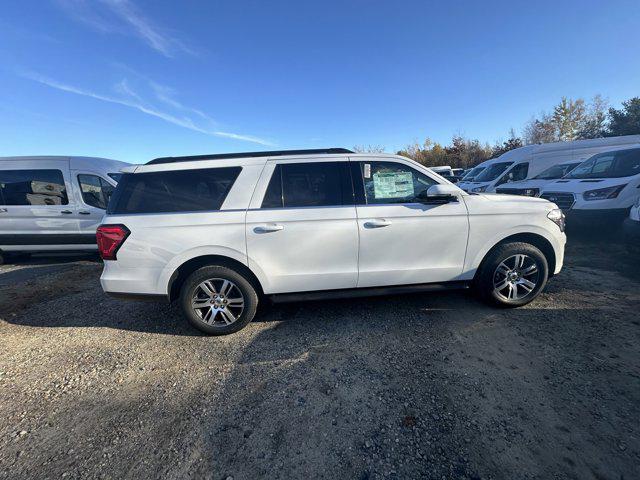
<point x="422" y="386"/>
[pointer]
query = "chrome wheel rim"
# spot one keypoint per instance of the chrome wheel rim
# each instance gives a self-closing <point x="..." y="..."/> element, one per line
<point x="218" y="302"/>
<point x="516" y="277"/>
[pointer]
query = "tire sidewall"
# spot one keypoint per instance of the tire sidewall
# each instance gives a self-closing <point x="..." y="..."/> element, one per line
<point x="205" y="273"/>
<point x="500" y="254"/>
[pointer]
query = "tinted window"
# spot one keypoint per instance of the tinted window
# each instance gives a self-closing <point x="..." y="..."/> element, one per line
<point x="517" y="173"/>
<point x="95" y="190"/>
<point x="173" y="191"/>
<point x="320" y="184"/>
<point x="390" y="182"/>
<point x="557" y="171"/>
<point x="623" y="163"/>
<point x="32" y="187"/>
<point x="492" y="172"/>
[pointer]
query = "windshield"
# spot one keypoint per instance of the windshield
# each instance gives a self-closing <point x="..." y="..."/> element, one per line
<point x="115" y="176"/>
<point x="557" y="171"/>
<point x="471" y="174"/>
<point x="492" y="172"/>
<point x="623" y="163"/>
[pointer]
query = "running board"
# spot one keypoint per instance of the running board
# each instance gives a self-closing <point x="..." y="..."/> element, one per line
<point x="367" y="292"/>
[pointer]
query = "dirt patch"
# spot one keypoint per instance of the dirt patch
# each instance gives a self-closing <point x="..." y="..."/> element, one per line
<point x="425" y="386"/>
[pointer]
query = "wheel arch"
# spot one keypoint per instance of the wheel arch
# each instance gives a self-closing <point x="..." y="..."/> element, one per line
<point x="535" y="239"/>
<point x="181" y="273"/>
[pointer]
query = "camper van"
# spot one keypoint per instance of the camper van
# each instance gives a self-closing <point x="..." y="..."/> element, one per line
<point x="600" y="189"/>
<point x="53" y="203"/>
<point x="527" y="162"/>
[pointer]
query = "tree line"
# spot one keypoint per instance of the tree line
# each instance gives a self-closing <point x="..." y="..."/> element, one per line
<point x="568" y="120"/>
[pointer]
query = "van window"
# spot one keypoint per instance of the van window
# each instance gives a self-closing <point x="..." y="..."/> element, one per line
<point x="621" y="163"/>
<point x="492" y="172"/>
<point x="556" y="171"/>
<point x="391" y="182"/>
<point x="95" y="191"/>
<point x="32" y="187"/>
<point x="517" y="173"/>
<point x="314" y="184"/>
<point x="473" y="173"/>
<point x="173" y="191"/>
<point x="115" y="176"/>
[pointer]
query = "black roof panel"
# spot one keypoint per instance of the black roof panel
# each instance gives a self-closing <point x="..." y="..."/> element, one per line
<point x="275" y="153"/>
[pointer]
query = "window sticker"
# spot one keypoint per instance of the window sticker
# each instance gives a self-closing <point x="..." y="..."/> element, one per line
<point x="393" y="185"/>
<point x="367" y="170"/>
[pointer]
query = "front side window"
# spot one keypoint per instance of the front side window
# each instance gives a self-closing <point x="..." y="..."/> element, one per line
<point x="391" y="182"/>
<point x="32" y="187"/>
<point x="96" y="191"/>
<point x="622" y="163"/>
<point x="492" y="172"/>
<point x="171" y="191"/>
<point x="517" y="173"/>
<point x="313" y="184"/>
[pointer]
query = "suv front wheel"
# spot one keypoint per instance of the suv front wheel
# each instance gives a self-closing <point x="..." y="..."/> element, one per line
<point x="512" y="275"/>
<point x="218" y="300"/>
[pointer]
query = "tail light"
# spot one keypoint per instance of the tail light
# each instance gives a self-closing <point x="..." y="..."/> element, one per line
<point x="110" y="238"/>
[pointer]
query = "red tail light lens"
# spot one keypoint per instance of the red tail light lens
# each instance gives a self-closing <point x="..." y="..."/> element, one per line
<point x="110" y="238"/>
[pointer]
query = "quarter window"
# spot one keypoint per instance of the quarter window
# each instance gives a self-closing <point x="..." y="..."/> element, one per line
<point x="168" y="191"/>
<point x="313" y="184"/>
<point x="96" y="191"/>
<point x="390" y="182"/>
<point x="32" y="187"/>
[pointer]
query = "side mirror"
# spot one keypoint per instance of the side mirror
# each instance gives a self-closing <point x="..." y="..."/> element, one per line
<point x="440" y="193"/>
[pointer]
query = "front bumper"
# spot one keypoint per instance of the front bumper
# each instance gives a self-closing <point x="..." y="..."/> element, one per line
<point x="596" y="217"/>
<point x="631" y="230"/>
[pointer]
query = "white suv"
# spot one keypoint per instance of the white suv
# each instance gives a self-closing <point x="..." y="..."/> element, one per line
<point x="222" y="232"/>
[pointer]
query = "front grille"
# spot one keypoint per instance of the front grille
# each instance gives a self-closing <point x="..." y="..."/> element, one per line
<point x="510" y="191"/>
<point x="564" y="200"/>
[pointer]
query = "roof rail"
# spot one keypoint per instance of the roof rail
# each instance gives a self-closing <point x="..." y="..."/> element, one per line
<point x="275" y="153"/>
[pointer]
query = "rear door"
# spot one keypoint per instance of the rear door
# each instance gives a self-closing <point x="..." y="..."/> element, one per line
<point x="403" y="241"/>
<point x="37" y="207"/>
<point x="93" y="192"/>
<point x="301" y="230"/>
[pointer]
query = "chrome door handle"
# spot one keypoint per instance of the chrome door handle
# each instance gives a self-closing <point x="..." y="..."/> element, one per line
<point x="273" y="227"/>
<point x="378" y="223"/>
<point x="66" y="212"/>
<point x="84" y="212"/>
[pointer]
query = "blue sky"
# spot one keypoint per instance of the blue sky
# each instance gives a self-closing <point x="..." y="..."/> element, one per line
<point x="134" y="79"/>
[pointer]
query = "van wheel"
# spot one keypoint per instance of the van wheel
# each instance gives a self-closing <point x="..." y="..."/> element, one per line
<point x="218" y="300"/>
<point x="512" y="275"/>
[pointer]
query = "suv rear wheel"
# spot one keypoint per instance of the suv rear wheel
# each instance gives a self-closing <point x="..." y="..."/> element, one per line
<point x="512" y="275"/>
<point x="218" y="300"/>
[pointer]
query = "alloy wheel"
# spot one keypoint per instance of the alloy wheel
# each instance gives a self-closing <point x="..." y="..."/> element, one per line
<point x="516" y="277"/>
<point x="218" y="302"/>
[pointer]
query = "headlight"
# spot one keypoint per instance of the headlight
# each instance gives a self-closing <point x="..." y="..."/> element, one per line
<point x="479" y="189"/>
<point x="557" y="217"/>
<point x="603" y="193"/>
<point x="531" y="192"/>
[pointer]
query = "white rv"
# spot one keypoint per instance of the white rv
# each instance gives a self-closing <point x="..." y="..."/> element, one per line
<point x="53" y="203"/>
<point x="526" y="162"/>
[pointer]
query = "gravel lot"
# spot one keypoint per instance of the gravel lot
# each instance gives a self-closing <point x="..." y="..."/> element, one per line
<point x="433" y="385"/>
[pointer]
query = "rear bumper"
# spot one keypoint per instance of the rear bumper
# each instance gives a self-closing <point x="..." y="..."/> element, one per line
<point x="631" y="230"/>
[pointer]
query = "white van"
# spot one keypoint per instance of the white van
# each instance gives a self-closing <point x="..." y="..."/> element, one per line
<point x="526" y="162"/>
<point x="601" y="189"/>
<point x="466" y="183"/>
<point x="53" y="203"/>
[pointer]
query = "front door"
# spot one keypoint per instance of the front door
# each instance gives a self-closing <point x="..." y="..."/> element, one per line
<point x="403" y="241"/>
<point x="302" y="233"/>
<point x="94" y="192"/>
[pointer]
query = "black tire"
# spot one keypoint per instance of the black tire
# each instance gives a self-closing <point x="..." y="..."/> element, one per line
<point x="191" y="288"/>
<point x="489" y="278"/>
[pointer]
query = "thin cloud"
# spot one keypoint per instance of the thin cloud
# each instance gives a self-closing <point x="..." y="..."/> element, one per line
<point x="124" y="18"/>
<point x="135" y="102"/>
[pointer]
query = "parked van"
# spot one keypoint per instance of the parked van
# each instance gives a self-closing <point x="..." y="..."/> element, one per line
<point x="53" y="203"/>
<point x="526" y="162"/>
<point x="466" y="182"/>
<point x="601" y="189"/>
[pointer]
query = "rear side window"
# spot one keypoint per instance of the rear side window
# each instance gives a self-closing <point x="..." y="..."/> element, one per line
<point x="314" y="184"/>
<point x="173" y="191"/>
<point x="32" y="187"/>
